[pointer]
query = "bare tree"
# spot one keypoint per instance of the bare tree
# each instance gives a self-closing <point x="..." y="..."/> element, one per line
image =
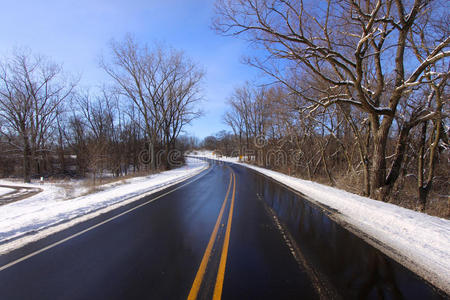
<point x="235" y="120"/>
<point x="424" y="37"/>
<point x="177" y="106"/>
<point x="31" y="90"/>
<point x="360" y="48"/>
<point x="163" y="85"/>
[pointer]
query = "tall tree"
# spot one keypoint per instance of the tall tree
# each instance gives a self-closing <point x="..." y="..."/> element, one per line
<point x="360" y="48"/>
<point x="32" y="89"/>
<point x="163" y="84"/>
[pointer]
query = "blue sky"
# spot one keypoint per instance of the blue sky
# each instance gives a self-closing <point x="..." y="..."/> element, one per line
<point x="76" y="33"/>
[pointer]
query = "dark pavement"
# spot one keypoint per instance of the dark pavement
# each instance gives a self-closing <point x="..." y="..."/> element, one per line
<point x="272" y="245"/>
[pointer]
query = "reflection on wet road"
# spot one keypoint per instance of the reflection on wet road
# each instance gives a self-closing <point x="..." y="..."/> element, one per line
<point x="344" y="263"/>
<point x="227" y="233"/>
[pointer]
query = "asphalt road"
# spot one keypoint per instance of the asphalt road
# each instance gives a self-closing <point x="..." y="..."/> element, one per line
<point x="226" y="233"/>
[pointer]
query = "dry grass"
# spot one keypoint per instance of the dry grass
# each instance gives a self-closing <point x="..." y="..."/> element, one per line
<point x="88" y="186"/>
<point x="437" y="204"/>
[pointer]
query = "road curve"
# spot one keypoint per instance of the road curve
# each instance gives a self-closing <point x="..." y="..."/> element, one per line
<point x="227" y="233"/>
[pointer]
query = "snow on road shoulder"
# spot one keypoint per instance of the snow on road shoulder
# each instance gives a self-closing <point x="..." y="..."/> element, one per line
<point x="422" y="241"/>
<point x="45" y="209"/>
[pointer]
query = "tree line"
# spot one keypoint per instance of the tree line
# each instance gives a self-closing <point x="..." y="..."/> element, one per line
<point x="360" y="93"/>
<point x="51" y="126"/>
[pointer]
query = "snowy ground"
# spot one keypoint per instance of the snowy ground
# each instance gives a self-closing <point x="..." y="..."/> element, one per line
<point x="4" y="191"/>
<point x="419" y="241"/>
<point x="37" y="216"/>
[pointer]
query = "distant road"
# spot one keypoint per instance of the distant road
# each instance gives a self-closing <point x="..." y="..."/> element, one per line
<point x="226" y="233"/>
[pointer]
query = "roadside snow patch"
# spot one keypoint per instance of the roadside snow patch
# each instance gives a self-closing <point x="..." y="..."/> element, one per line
<point x="4" y="191"/>
<point x="46" y="209"/>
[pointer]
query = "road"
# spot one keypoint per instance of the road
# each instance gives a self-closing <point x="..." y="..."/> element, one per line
<point x="226" y="233"/>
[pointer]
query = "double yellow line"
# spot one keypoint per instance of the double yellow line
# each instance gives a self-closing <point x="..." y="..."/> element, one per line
<point x="223" y="258"/>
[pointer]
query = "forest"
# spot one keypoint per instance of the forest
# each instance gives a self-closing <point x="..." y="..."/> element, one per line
<point x="52" y="127"/>
<point x="357" y="95"/>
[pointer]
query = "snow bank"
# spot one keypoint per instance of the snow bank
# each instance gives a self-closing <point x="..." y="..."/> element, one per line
<point x="46" y="209"/>
<point x="419" y="241"/>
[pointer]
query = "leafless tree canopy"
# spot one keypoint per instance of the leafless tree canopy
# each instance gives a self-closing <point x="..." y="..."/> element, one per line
<point x="50" y="127"/>
<point x="377" y="68"/>
<point x="32" y="90"/>
<point x="163" y="85"/>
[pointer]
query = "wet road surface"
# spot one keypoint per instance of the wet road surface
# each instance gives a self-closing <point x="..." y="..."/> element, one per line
<point x="226" y="233"/>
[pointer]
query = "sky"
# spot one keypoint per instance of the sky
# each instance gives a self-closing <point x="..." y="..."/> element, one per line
<point x="77" y="33"/>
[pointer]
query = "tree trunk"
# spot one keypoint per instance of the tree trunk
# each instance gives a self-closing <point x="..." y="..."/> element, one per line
<point x="396" y="167"/>
<point x="26" y="160"/>
<point x="327" y="171"/>
<point x="167" y="158"/>
<point x="379" y="190"/>
<point x="366" y="176"/>
<point x="152" y="154"/>
<point x="423" y="195"/>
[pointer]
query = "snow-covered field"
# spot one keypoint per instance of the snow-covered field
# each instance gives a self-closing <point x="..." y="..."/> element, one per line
<point x="27" y="220"/>
<point x="419" y="241"/>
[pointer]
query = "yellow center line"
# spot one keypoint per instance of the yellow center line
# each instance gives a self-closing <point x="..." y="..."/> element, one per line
<point x="202" y="269"/>
<point x="223" y="258"/>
